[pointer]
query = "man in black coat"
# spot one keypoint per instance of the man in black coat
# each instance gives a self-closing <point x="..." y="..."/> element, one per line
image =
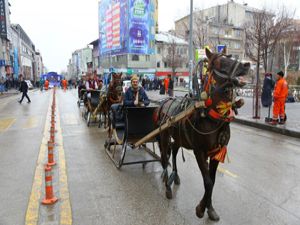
<point x="268" y="86"/>
<point x="24" y="90"/>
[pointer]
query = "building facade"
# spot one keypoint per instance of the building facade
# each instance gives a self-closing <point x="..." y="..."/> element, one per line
<point x="218" y="26"/>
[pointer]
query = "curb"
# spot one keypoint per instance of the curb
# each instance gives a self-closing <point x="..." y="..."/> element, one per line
<point x="261" y="126"/>
<point x="266" y="127"/>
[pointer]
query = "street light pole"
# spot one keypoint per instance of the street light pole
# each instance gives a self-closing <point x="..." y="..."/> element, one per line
<point x="191" y="46"/>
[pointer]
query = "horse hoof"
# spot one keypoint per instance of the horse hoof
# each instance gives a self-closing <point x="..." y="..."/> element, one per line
<point x="169" y="194"/>
<point x="177" y="180"/>
<point x="213" y="215"/>
<point x="199" y="211"/>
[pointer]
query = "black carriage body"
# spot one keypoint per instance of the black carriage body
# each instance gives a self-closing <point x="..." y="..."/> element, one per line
<point x="137" y="123"/>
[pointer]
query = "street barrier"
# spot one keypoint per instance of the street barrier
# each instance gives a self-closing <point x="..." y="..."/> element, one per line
<point x="51" y="161"/>
<point x="49" y="198"/>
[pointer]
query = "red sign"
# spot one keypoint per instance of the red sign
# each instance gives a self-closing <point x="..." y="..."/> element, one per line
<point x="166" y="73"/>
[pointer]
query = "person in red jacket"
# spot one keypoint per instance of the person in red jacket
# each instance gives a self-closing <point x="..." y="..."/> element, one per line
<point x="280" y="94"/>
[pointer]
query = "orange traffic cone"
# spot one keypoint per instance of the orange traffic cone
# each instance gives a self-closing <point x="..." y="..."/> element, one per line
<point x="51" y="161"/>
<point x="52" y="137"/>
<point x="49" y="198"/>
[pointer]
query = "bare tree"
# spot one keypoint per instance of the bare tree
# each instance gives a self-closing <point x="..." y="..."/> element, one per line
<point x="174" y="58"/>
<point x="262" y="33"/>
<point x="286" y="48"/>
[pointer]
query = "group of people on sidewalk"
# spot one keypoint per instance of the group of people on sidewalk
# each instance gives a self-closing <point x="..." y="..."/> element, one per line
<point x="280" y="95"/>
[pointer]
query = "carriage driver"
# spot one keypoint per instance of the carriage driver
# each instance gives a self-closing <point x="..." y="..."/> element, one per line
<point x="136" y="96"/>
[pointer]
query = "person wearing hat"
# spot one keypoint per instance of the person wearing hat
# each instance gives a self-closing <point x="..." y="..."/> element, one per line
<point x="136" y="95"/>
<point x="280" y="94"/>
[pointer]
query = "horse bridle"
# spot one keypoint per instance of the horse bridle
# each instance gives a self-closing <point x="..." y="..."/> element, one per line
<point x="231" y="78"/>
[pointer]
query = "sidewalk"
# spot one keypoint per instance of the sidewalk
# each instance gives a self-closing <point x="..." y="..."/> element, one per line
<point x="291" y="128"/>
<point x="10" y="92"/>
<point x="13" y="91"/>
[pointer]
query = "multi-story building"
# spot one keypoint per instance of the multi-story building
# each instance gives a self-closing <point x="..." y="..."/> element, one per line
<point x="81" y="59"/>
<point x="218" y="25"/>
<point x="171" y="55"/>
<point x="5" y="56"/>
<point x="24" y="50"/>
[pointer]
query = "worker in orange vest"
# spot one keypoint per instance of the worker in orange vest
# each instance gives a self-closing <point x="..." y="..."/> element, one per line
<point x="280" y="94"/>
<point x="46" y="84"/>
<point x="64" y="84"/>
<point x="166" y="84"/>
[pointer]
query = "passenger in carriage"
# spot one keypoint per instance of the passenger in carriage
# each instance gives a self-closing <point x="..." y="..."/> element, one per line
<point x="136" y="96"/>
<point x="90" y="84"/>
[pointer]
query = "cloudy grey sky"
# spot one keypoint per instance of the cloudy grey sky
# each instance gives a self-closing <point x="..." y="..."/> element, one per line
<point x="58" y="27"/>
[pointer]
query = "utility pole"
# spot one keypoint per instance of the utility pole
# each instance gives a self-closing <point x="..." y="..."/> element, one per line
<point x="191" y="46"/>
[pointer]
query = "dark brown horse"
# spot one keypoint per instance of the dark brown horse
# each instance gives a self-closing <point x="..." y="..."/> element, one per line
<point x="114" y="95"/>
<point x="206" y="131"/>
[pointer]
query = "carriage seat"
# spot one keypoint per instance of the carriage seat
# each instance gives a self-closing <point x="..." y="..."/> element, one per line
<point x="95" y="95"/>
<point x="117" y="116"/>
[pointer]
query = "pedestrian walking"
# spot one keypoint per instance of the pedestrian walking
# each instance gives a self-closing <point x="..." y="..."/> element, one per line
<point x="24" y="90"/>
<point x="280" y="94"/>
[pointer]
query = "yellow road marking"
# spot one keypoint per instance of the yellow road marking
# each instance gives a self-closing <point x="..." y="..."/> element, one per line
<point x="65" y="206"/>
<point x="6" y="123"/>
<point x="220" y="169"/>
<point x="31" y="122"/>
<point x="227" y="172"/>
<point x="32" y="213"/>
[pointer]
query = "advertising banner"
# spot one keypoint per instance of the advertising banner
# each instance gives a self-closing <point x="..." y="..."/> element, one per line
<point x="141" y="22"/>
<point x="3" y="29"/>
<point x="113" y="18"/>
<point x="126" y="26"/>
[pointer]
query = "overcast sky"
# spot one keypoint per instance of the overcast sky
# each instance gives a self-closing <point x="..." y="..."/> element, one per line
<point x="59" y="27"/>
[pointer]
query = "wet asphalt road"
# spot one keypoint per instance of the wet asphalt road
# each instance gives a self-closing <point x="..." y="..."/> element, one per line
<point x="260" y="185"/>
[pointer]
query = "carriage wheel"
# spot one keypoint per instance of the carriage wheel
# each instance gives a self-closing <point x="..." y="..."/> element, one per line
<point x="88" y="118"/>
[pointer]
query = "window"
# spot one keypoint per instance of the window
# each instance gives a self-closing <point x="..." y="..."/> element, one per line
<point x="237" y="45"/>
<point x="135" y="58"/>
<point x="165" y="64"/>
<point x="158" y="64"/>
<point x="147" y="58"/>
<point x="158" y="50"/>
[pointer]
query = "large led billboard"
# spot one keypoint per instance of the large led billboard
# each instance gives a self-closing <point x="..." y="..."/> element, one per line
<point x="126" y="26"/>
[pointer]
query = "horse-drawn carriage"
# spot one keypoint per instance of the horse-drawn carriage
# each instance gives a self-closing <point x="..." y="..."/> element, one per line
<point x="94" y="103"/>
<point x="199" y="122"/>
<point x="129" y="125"/>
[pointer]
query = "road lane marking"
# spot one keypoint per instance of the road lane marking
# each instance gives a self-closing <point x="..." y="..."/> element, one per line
<point x="65" y="206"/>
<point x="6" y="123"/>
<point x="31" y="122"/>
<point x="220" y="169"/>
<point x="32" y="213"/>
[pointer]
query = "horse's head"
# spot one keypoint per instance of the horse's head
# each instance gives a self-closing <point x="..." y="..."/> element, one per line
<point x="117" y="82"/>
<point x="226" y="73"/>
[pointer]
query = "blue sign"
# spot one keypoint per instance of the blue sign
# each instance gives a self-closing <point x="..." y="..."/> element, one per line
<point x="220" y="48"/>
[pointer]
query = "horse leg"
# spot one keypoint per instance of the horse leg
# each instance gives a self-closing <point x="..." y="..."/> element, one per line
<point x="208" y="183"/>
<point x="213" y="165"/>
<point x="174" y="175"/>
<point x="163" y="141"/>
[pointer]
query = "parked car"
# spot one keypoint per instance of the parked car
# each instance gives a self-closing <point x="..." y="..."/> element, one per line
<point x="30" y="86"/>
<point x="126" y="85"/>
